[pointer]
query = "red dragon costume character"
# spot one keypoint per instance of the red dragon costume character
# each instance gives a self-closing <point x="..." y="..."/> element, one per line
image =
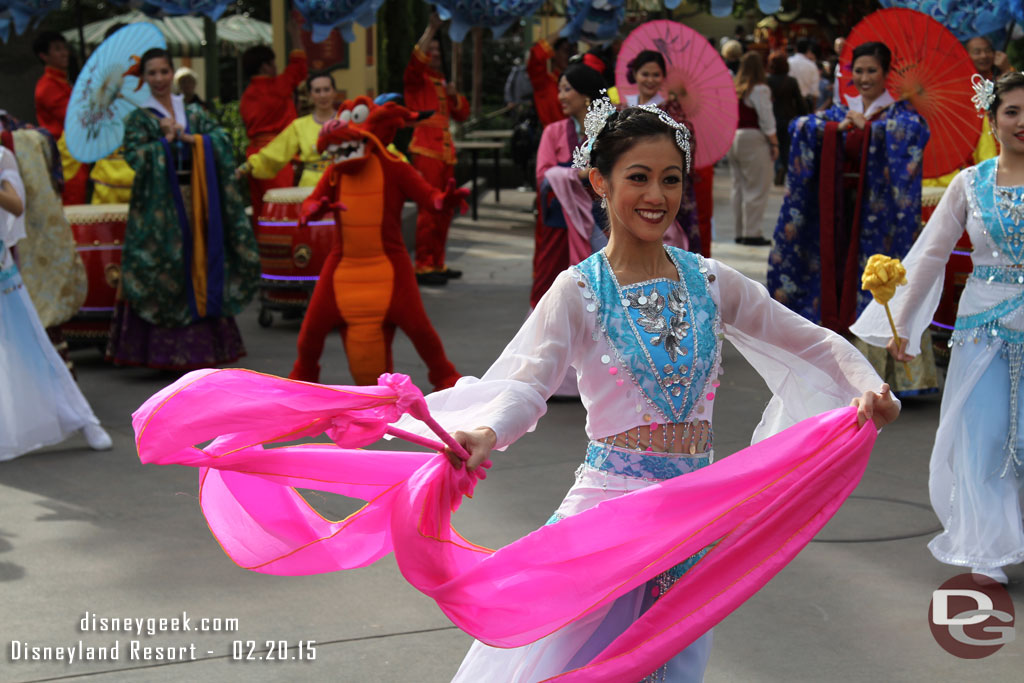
<point x="367" y="286"/>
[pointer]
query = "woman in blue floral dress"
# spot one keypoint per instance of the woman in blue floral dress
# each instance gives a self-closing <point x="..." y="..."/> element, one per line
<point x="853" y="189"/>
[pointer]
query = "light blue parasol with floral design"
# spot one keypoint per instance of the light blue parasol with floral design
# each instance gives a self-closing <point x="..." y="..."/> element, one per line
<point x="105" y="93"/>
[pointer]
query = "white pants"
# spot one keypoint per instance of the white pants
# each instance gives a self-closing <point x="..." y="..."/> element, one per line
<point x="750" y="165"/>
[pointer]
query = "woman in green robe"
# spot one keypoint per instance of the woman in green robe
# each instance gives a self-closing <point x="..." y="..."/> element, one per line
<point x="190" y="261"/>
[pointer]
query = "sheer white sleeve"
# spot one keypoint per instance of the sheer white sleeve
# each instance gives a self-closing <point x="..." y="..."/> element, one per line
<point x="12" y="228"/>
<point x="511" y="396"/>
<point x="808" y="368"/>
<point x="914" y="304"/>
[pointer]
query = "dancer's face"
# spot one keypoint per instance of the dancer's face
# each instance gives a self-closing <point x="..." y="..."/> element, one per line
<point x="574" y="103"/>
<point x="322" y="92"/>
<point x="57" y="55"/>
<point x="644" y="188"/>
<point x="649" y="78"/>
<point x="434" y="54"/>
<point x="158" y="75"/>
<point x="869" y="77"/>
<point x="1009" y="122"/>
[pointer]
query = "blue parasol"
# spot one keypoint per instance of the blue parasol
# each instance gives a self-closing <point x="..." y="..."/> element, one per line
<point x="104" y="95"/>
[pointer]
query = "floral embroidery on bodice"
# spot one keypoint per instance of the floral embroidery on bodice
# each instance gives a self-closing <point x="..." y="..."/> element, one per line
<point x="663" y="332"/>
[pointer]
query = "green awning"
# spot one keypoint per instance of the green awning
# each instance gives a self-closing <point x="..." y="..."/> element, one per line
<point x="184" y="34"/>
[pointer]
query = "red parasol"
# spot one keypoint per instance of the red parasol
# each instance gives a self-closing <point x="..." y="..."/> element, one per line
<point x="696" y="74"/>
<point x="931" y="69"/>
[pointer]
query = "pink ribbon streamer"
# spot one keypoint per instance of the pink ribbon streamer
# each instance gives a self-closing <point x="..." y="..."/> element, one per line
<point x="759" y="507"/>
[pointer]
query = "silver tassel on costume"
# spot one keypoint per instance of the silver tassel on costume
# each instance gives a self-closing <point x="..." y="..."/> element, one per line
<point x="1015" y="355"/>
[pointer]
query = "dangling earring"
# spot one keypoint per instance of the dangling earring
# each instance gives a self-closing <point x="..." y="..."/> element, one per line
<point x="604" y="202"/>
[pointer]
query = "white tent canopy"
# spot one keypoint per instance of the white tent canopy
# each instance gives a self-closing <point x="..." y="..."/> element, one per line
<point x="184" y="34"/>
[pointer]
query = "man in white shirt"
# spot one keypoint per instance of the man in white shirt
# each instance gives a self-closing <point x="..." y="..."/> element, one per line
<point x="804" y="69"/>
<point x="837" y="75"/>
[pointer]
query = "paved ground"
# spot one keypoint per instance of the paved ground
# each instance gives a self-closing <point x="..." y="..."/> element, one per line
<point x="97" y="533"/>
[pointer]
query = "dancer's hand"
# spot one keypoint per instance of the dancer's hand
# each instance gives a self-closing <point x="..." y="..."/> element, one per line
<point x="881" y="408"/>
<point x="478" y="443"/>
<point x="899" y="352"/>
<point x="168" y="128"/>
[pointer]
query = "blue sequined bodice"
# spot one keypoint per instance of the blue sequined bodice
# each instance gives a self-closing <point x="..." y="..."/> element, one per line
<point x="663" y="331"/>
<point x="1002" y="211"/>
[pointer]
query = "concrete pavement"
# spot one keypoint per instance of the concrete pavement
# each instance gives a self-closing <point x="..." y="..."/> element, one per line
<point x="97" y="533"/>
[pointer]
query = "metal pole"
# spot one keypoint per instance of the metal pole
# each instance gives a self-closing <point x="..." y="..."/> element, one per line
<point x="80" y="18"/>
<point x="211" y="57"/>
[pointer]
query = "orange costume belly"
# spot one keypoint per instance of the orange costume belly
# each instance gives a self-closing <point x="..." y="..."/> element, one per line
<point x="364" y="278"/>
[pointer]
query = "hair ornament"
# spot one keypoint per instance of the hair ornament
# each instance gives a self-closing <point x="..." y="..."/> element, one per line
<point x="984" y="92"/>
<point x="682" y="132"/>
<point x="601" y="110"/>
<point x="598" y="113"/>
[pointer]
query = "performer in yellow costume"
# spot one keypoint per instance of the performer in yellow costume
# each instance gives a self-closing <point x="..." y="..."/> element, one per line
<point x="299" y="138"/>
<point x="112" y="180"/>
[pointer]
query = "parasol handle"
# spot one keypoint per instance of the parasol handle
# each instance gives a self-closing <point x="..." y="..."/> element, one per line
<point x="896" y="337"/>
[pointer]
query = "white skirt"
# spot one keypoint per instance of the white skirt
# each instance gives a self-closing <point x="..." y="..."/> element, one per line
<point x="577" y="643"/>
<point x="975" y="495"/>
<point x="40" y="403"/>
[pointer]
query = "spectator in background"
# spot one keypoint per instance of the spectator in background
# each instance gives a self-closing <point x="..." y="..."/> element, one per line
<point x="755" y="148"/>
<point x="787" y="104"/>
<point x="824" y="86"/>
<point x="837" y="72"/>
<point x="268" y="106"/>
<point x="185" y="83"/>
<point x="988" y="61"/>
<point x="804" y="68"/>
<point x="740" y="36"/>
<point x="731" y="53"/>
<point x="548" y="59"/>
<point x="53" y="91"/>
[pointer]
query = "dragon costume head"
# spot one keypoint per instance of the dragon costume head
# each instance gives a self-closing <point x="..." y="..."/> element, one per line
<point x="359" y="128"/>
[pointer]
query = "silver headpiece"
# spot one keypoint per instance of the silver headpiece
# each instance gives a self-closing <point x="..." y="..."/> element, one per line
<point x="593" y="123"/>
<point x="682" y="132"/>
<point x="984" y="92"/>
<point x="600" y="111"/>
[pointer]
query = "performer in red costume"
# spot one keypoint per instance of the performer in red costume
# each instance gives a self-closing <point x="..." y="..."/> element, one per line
<point x="367" y="287"/>
<point x="548" y="59"/>
<point x="267" y="107"/>
<point x="432" y="148"/>
<point x="53" y="91"/>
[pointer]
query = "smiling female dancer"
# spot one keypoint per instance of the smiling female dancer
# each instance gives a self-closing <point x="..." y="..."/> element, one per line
<point x="641" y="325"/>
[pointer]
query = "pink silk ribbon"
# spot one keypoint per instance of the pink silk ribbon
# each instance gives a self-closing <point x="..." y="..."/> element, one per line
<point x="759" y="506"/>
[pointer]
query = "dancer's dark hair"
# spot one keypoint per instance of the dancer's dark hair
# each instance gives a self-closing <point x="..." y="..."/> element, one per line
<point x="622" y="131"/>
<point x="879" y="51"/>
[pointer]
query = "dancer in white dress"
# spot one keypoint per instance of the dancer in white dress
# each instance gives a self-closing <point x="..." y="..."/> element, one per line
<point x="40" y="403"/>
<point x="641" y="324"/>
<point x="977" y="465"/>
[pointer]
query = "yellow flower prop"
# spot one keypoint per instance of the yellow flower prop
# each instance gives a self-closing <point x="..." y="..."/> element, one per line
<point x="882" y="275"/>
